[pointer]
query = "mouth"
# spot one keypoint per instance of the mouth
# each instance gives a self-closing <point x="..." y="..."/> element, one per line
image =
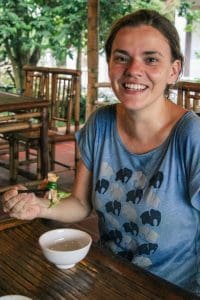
<point x="134" y="87"/>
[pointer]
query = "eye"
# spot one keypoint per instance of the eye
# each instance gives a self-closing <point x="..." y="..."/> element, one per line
<point x="151" y="60"/>
<point x="122" y="59"/>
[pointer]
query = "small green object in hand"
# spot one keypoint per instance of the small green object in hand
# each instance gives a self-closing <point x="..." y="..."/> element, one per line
<point x="62" y="194"/>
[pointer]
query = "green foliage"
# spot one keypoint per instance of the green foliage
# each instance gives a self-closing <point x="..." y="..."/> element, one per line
<point x="23" y="25"/>
<point x="69" y="25"/>
<point x="108" y="16"/>
<point x="28" y="27"/>
<point x="192" y="16"/>
<point x="60" y="25"/>
<point x="197" y="53"/>
<point x="120" y="8"/>
<point x="31" y="24"/>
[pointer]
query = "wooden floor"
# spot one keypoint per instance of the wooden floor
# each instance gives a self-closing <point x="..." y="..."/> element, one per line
<point x="65" y="153"/>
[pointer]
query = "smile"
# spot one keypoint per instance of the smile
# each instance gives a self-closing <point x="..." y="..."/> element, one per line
<point x="135" y="87"/>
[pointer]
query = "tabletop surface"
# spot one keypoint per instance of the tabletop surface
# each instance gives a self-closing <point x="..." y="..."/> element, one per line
<point x="101" y="275"/>
<point x="9" y="101"/>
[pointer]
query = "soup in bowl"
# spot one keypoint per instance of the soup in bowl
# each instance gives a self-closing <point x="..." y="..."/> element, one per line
<point x="65" y="247"/>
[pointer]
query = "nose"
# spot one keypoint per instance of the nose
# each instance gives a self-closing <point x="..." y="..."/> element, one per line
<point x="134" y="68"/>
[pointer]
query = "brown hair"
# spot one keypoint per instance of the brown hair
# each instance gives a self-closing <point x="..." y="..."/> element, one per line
<point x="151" y="18"/>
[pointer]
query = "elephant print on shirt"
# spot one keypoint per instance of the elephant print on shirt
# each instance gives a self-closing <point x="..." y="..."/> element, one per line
<point x="127" y="211"/>
<point x="102" y="186"/>
<point x="134" y="196"/>
<point x="156" y="180"/>
<point x="151" y="217"/>
<point x="124" y="175"/>
<point x="116" y="236"/>
<point x="114" y="207"/>
<point x="131" y="227"/>
<point x="147" y="248"/>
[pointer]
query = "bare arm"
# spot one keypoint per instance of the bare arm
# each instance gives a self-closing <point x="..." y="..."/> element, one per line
<point x="72" y="209"/>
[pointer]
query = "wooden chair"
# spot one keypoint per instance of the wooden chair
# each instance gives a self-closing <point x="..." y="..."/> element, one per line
<point x="17" y="113"/>
<point x="36" y="85"/>
<point x="36" y="82"/>
<point x="4" y="146"/>
<point x="4" y="151"/>
<point x="7" y="147"/>
<point x="62" y="88"/>
<point x="188" y="95"/>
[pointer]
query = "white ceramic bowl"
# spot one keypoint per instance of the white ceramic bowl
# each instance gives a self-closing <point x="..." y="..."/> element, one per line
<point x="65" y="247"/>
<point x="14" y="297"/>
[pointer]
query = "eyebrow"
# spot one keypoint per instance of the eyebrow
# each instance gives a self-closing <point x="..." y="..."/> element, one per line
<point x="153" y="52"/>
<point x="120" y="51"/>
<point x="144" y="53"/>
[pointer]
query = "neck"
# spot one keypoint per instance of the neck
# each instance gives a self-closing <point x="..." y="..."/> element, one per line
<point x="142" y="131"/>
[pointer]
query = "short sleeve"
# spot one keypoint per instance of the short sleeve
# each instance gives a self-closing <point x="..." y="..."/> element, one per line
<point x="91" y="138"/>
<point x="191" y="151"/>
<point x="85" y="138"/>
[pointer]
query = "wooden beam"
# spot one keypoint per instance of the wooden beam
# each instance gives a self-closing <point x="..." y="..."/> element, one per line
<point x="93" y="53"/>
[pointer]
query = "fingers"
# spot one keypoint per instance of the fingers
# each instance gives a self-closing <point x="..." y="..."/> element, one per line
<point x="25" y="206"/>
<point x="8" y="198"/>
<point x="12" y="192"/>
<point x="20" y="206"/>
<point x="9" y="194"/>
<point x="25" y="210"/>
<point x="20" y="203"/>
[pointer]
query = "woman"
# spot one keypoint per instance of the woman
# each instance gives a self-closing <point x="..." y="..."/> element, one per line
<point x="139" y="165"/>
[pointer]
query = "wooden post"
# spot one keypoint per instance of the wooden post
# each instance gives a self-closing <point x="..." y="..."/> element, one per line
<point x="92" y="53"/>
<point x="187" y="54"/>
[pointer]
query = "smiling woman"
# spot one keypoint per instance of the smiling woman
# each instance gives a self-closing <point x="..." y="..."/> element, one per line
<point x="140" y="66"/>
<point x="139" y="167"/>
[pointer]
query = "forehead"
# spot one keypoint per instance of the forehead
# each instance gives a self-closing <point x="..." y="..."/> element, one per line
<point x="143" y="36"/>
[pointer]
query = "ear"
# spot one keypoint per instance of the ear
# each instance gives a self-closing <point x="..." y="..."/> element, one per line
<point x="174" y="72"/>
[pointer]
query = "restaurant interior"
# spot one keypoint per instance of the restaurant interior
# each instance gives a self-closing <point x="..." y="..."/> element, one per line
<point x="37" y="136"/>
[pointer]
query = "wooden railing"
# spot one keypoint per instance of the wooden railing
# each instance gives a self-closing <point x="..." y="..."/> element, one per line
<point x="188" y="95"/>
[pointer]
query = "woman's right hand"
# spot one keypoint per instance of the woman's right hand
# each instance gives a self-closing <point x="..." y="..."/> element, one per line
<point x="24" y="206"/>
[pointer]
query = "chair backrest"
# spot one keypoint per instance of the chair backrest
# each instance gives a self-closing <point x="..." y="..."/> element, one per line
<point x="36" y="83"/>
<point x="62" y="88"/>
<point x="65" y="101"/>
<point x="188" y="95"/>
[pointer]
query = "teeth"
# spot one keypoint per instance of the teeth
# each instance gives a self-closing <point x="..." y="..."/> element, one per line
<point x="136" y="87"/>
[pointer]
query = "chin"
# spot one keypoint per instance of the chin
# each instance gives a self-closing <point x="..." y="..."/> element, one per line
<point x="129" y="105"/>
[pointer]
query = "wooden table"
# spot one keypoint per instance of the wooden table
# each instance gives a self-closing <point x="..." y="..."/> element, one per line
<point x="23" y="109"/>
<point x="101" y="275"/>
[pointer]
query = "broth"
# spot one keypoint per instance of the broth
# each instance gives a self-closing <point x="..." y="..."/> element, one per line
<point x="67" y="245"/>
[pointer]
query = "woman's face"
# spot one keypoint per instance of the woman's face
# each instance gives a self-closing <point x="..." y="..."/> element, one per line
<point x="141" y="66"/>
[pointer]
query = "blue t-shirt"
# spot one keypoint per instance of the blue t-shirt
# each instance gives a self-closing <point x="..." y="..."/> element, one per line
<point x="148" y="204"/>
